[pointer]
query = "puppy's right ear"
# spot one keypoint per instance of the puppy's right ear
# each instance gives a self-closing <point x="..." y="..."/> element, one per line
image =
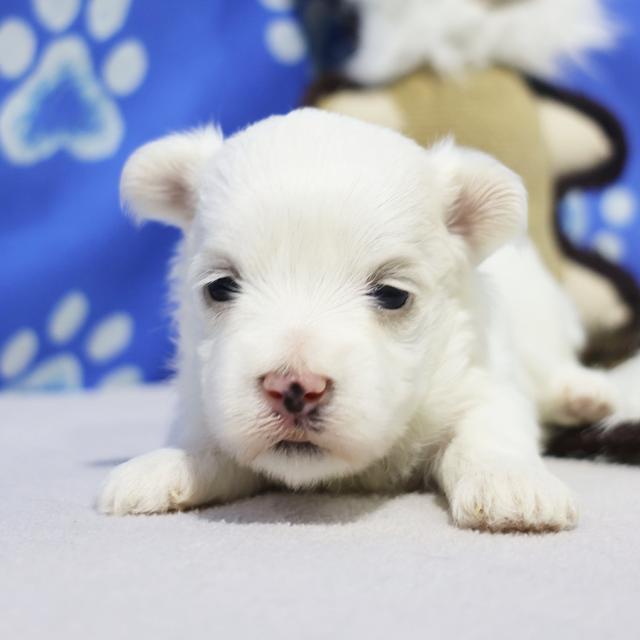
<point x="161" y="180"/>
<point x="487" y="204"/>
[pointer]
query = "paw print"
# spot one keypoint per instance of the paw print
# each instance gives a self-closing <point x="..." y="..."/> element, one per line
<point x="108" y="339"/>
<point x="604" y="224"/>
<point x="283" y="37"/>
<point x="64" y="103"/>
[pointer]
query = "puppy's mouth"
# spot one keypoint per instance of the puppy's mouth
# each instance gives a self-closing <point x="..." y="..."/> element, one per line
<point x="297" y="437"/>
<point x="296" y="434"/>
<point x="297" y="447"/>
<point x="299" y="425"/>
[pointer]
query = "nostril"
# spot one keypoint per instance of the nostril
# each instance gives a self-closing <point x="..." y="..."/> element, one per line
<point x="313" y="396"/>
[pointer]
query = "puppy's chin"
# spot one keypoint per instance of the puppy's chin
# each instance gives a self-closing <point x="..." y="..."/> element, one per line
<point x="307" y="457"/>
<point x="300" y="465"/>
<point x="328" y="445"/>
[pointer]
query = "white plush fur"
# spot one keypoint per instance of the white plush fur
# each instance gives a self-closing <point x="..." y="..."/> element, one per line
<point x="174" y="192"/>
<point x="625" y="378"/>
<point x="535" y="36"/>
<point x="308" y="212"/>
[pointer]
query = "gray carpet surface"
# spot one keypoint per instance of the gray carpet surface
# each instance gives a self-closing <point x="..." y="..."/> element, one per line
<point x="283" y="565"/>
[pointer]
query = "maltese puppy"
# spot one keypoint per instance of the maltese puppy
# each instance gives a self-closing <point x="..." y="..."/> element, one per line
<point x="357" y="313"/>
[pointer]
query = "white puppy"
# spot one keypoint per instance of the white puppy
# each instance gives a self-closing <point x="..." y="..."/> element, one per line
<point x="356" y="313"/>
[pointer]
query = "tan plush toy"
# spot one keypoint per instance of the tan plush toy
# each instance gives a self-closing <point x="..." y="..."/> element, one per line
<point x="432" y="68"/>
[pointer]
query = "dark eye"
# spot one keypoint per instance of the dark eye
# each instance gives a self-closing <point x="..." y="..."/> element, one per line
<point x="389" y="297"/>
<point x="223" y="289"/>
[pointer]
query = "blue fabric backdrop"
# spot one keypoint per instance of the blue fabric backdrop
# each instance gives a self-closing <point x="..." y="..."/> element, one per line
<point x="82" y="84"/>
<point x="609" y="220"/>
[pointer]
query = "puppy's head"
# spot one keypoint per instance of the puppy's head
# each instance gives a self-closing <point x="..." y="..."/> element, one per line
<point x="325" y="259"/>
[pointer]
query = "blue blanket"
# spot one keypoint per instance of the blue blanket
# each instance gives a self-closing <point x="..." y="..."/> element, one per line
<point x="82" y="84"/>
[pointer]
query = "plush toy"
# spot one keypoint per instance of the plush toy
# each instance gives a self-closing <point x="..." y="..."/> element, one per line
<point x="483" y="71"/>
<point x="480" y="70"/>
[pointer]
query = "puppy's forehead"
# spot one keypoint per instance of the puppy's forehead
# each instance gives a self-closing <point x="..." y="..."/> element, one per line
<point x="310" y="184"/>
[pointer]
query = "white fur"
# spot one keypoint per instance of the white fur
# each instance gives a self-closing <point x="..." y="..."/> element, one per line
<point x="535" y="36"/>
<point x="307" y="211"/>
<point x="175" y="168"/>
<point x="625" y="378"/>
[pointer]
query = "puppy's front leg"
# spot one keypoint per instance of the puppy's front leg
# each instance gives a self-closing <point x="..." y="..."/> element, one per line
<point x="173" y="479"/>
<point x="493" y="476"/>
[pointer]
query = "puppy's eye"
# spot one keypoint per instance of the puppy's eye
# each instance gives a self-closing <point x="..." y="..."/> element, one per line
<point x="223" y="289"/>
<point x="389" y="297"/>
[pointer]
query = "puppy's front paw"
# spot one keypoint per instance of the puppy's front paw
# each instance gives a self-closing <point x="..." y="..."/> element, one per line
<point x="583" y="396"/>
<point x="156" y="482"/>
<point x="512" y="499"/>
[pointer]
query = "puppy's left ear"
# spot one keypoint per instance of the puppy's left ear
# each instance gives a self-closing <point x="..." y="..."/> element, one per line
<point x="487" y="202"/>
<point x="162" y="179"/>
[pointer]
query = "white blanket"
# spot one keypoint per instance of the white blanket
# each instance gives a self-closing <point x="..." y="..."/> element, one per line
<point x="285" y="566"/>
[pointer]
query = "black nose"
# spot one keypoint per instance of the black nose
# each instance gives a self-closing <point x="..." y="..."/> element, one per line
<point x="293" y="398"/>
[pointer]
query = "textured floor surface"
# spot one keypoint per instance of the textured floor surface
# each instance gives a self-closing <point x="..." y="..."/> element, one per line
<point x="285" y="566"/>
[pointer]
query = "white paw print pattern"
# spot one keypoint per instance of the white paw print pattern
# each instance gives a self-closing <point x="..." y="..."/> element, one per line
<point x="19" y="369"/>
<point x="283" y="37"/>
<point x="618" y="208"/>
<point x="65" y="103"/>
